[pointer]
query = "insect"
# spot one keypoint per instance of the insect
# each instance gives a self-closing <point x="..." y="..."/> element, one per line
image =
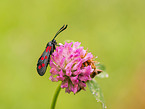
<point x="44" y="59"/>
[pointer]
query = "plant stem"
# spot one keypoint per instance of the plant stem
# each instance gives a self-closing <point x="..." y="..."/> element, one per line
<point x="55" y="97"/>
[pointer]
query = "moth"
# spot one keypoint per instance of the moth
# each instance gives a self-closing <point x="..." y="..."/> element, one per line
<point x="44" y="59"/>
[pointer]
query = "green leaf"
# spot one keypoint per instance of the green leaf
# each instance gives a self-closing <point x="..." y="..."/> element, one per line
<point x="103" y="75"/>
<point x="100" y="66"/>
<point x="96" y="91"/>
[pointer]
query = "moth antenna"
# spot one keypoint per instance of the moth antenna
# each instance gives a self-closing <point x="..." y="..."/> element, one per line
<point x="60" y="30"/>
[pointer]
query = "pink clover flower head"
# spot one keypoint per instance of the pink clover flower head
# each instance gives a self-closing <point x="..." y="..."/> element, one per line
<point x="72" y="65"/>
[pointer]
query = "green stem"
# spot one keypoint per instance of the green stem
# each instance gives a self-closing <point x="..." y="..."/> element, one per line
<point x="55" y="97"/>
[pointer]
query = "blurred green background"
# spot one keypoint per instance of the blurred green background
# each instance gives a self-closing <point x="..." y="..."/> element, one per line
<point x="113" y="30"/>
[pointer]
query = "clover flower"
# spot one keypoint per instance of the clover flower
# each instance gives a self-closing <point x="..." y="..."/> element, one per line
<point x="72" y="65"/>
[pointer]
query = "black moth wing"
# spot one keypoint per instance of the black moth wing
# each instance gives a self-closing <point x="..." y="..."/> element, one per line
<point x="44" y="59"/>
<point x="42" y="64"/>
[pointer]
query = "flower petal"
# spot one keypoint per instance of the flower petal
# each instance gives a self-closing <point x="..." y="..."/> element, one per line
<point x="53" y="65"/>
<point x="78" y="64"/>
<point x="53" y="79"/>
<point x="77" y="72"/>
<point x="62" y="62"/>
<point x="83" y="78"/>
<point x="82" y="84"/>
<point x="75" y="89"/>
<point x="74" y="80"/>
<point x="64" y="84"/>
<point x="76" y="45"/>
<point x="68" y="72"/>
<point x="53" y="71"/>
<point x="60" y="77"/>
<point x="87" y="57"/>
<point x="87" y="70"/>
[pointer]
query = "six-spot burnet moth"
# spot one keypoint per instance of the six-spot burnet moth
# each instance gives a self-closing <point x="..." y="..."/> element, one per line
<point x="44" y="59"/>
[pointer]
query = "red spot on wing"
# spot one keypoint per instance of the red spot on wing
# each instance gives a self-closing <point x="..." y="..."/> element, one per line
<point x="46" y="57"/>
<point x="48" y="48"/>
<point x="39" y="67"/>
<point x="42" y="58"/>
<point x="43" y="65"/>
